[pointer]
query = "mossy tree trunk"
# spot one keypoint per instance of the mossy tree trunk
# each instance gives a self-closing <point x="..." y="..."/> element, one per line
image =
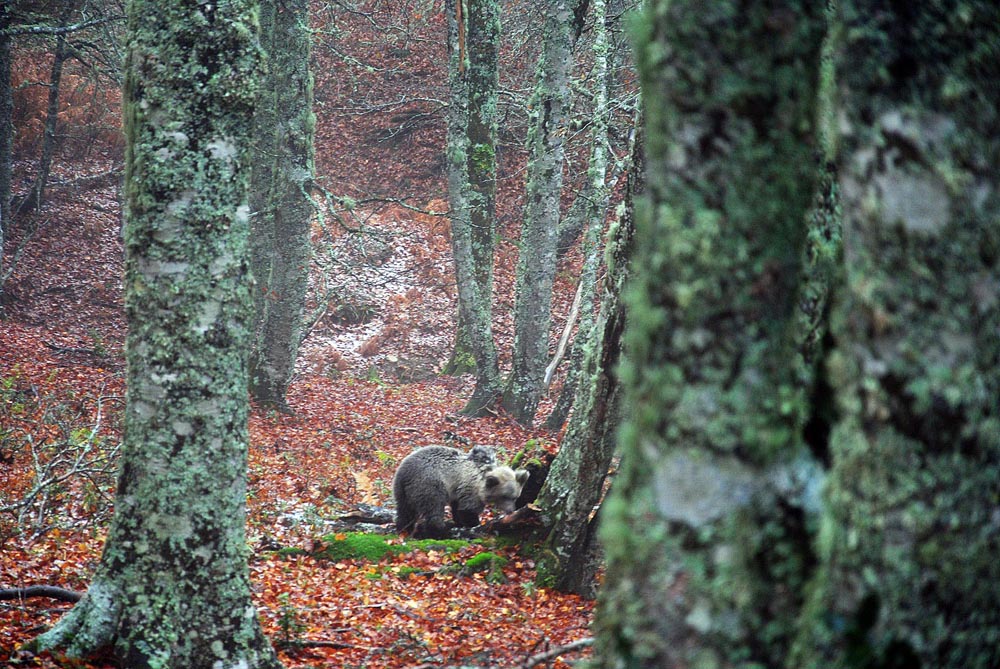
<point x="172" y="586"/>
<point x="591" y="208"/>
<point x="283" y="174"/>
<point x="472" y="131"/>
<point x="576" y="479"/>
<point x="708" y="527"/>
<point x="536" y="268"/>
<point x="910" y="534"/>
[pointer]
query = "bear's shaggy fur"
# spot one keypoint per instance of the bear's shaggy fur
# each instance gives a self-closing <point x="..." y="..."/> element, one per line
<point x="433" y="477"/>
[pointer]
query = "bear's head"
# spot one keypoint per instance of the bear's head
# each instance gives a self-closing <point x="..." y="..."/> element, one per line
<point x="502" y="486"/>
<point x="483" y="456"/>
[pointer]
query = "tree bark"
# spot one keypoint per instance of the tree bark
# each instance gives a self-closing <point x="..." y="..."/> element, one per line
<point x="281" y="224"/>
<point x="539" y="235"/>
<point x="707" y="530"/>
<point x="576" y="481"/>
<point x="909" y="575"/>
<point x="6" y="136"/>
<point x="6" y="128"/>
<point x="591" y="207"/>
<point x="172" y="587"/>
<point x="33" y="200"/>
<point x="471" y="185"/>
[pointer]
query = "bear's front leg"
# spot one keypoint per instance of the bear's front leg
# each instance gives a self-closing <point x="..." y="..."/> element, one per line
<point x="465" y="517"/>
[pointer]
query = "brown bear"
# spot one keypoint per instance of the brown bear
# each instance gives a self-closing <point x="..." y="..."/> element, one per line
<point x="433" y="477"/>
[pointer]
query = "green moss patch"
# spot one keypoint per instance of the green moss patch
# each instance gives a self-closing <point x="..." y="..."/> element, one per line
<point x="374" y="547"/>
<point x="490" y="563"/>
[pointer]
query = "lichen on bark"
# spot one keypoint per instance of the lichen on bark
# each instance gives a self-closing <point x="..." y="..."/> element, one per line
<point x="472" y="129"/>
<point x="536" y="268"/>
<point x="282" y="178"/>
<point x="708" y="527"/>
<point x="575" y="482"/>
<point x="908" y="574"/>
<point x="172" y="587"/>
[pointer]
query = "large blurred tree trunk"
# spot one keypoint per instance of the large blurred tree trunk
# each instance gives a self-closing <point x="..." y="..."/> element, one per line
<point x="536" y="268"/>
<point x="911" y="533"/>
<point x="172" y="587"/>
<point x="473" y="47"/>
<point x="283" y="174"/>
<point x="708" y="527"/>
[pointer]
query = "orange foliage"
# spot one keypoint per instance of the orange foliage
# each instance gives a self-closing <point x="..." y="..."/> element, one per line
<point x="340" y="448"/>
<point x="88" y="107"/>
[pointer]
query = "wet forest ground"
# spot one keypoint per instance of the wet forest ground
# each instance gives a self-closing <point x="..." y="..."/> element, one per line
<point x="367" y="390"/>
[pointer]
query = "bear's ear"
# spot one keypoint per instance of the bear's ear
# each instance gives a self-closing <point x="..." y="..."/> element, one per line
<point x="521" y="475"/>
<point x="492" y="481"/>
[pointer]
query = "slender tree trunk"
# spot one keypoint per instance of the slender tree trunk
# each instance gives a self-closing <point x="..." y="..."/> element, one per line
<point x="576" y="221"/>
<point x="539" y="234"/>
<point x="575" y="483"/>
<point x="707" y="531"/>
<point x="462" y="360"/>
<point x="262" y="175"/>
<point x="283" y="220"/>
<point x="6" y="127"/>
<point x="592" y="207"/>
<point x="471" y="183"/>
<point x="33" y="200"/>
<point x="910" y="575"/>
<point x="6" y="134"/>
<point x="172" y="588"/>
<point x="483" y="44"/>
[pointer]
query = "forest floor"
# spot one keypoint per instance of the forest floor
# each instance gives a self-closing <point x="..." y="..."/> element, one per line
<point x="365" y="395"/>
<point x="368" y="387"/>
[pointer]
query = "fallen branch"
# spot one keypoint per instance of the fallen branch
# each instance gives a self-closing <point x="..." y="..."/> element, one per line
<point x="524" y="520"/>
<point x="367" y="513"/>
<point x="532" y="661"/>
<point x="294" y="644"/>
<point x="70" y="349"/>
<point x="553" y="653"/>
<point x="50" y="591"/>
<point x="574" y="314"/>
<point x="89" y="180"/>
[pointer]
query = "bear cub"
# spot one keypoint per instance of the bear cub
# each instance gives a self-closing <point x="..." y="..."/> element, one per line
<point x="432" y="477"/>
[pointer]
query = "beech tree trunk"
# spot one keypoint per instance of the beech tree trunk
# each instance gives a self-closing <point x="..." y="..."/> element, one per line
<point x="909" y="574"/>
<point x="172" y="586"/>
<point x="483" y="45"/>
<point x="283" y="174"/>
<point x="472" y="128"/>
<point x="6" y="135"/>
<point x="726" y="546"/>
<point x="707" y="530"/>
<point x="591" y="209"/>
<point x="576" y="479"/>
<point x="536" y="268"/>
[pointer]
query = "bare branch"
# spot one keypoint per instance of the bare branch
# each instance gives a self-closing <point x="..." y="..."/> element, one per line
<point x="14" y="31"/>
